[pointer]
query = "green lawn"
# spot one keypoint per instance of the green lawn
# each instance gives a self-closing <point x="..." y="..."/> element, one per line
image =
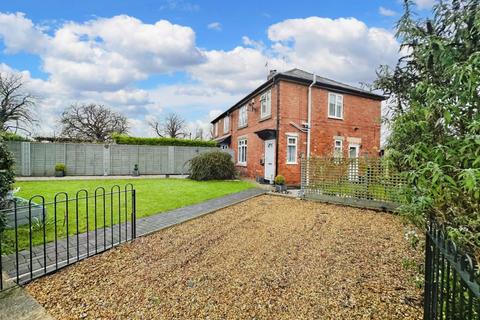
<point x="153" y="196"/>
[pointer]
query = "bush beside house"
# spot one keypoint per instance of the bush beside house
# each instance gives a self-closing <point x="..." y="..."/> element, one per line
<point x="212" y="166"/>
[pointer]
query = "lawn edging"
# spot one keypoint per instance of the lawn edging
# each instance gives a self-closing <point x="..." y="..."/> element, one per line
<point x="251" y="193"/>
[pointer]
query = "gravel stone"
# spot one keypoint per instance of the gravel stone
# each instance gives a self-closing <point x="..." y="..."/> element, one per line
<point x="267" y="258"/>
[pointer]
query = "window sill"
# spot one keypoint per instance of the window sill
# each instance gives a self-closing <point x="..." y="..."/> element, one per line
<point x="265" y="118"/>
<point x="291" y="163"/>
<point x="335" y="118"/>
<point x="241" y="127"/>
<point x="241" y="164"/>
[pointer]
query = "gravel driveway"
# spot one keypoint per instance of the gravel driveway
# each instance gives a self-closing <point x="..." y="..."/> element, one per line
<point x="266" y="258"/>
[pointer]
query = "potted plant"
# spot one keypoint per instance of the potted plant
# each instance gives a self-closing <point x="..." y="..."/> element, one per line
<point x="60" y="170"/>
<point x="135" y="170"/>
<point x="280" y="184"/>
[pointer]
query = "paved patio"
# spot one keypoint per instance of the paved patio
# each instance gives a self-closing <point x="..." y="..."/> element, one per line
<point x="65" y="251"/>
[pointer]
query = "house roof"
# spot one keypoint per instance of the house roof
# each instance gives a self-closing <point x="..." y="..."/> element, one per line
<point x="298" y="75"/>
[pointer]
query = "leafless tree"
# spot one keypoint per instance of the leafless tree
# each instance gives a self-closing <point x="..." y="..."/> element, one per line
<point x="173" y="126"/>
<point x="92" y="122"/>
<point x="198" y="131"/>
<point x="211" y="133"/>
<point x="16" y="105"/>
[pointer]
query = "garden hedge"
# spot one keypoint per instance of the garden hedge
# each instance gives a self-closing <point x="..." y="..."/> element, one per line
<point x="8" y="136"/>
<point x="124" y="139"/>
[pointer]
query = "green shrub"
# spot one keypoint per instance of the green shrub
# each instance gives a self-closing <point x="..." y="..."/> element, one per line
<point x="124" y="139"/>
<point x="280" y="180"/>
<point x="60" y="167"/>
<point x="214" y="165"/>
<point x="6" y="178"/>
<point x="8" y="136"/>
<point x="434" y="118"/>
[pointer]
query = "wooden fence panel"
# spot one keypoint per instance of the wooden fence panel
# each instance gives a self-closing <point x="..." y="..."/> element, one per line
<point x="364" y="182"/>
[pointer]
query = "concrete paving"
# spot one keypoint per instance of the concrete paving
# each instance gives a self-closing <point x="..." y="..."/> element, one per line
<point x="17" y="304"/>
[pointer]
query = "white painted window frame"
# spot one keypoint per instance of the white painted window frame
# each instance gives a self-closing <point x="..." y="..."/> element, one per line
<point x="338" y="155"/>
<point x="295" y="144"/>
<point x="266" y="103"/>
<point x="226" y="124"/>
<point x="242" y="151"/>
<point x="243" y="116"/>
<point x="338" y="106"/>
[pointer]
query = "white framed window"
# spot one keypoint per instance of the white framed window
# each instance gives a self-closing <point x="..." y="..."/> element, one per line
<point x="335" y="105"/>
<point x="243" y="116"/>
<point x="226" y="124"/>
<point x="216" y="128"/>
<point x="292" y="149"/>
<point x="266" y="104"/>
<point x="338" y="148"/>
<point x="242" y="151"/>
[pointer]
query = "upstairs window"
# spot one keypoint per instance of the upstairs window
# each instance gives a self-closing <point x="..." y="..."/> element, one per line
<point x="242" y="116"/>
<point x="335" y="106"/>
<point x="266" y="104"/>
<point x="226" y="124"/>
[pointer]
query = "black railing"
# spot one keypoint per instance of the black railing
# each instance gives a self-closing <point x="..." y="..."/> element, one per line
<point x="42" y="237"/>
<point x="451" y="285"/>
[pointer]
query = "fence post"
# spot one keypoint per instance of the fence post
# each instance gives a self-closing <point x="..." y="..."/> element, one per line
<point x="106" y="160"/>
<point x="25" y="156"/>
<point x="302" y="175"/>
<point x="171" y="160"/>
<point x="134" y="215"/>
<point x="428" y="271"/>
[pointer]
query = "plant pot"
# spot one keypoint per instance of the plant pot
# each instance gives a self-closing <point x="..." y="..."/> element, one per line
<point x="280" y="188"/>
<point x="60" y="173"/>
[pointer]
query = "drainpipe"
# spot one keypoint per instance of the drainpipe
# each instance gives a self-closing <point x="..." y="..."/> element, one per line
<point x="278" y="127"/>
<point x="309" y="114"/>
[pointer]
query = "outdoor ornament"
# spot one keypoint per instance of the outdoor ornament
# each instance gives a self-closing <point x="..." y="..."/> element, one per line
<point x="135" y="170"/>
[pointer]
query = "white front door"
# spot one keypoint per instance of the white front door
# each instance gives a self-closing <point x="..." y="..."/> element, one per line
<point x="353" y="153"/>
<point x="270" y="160"/>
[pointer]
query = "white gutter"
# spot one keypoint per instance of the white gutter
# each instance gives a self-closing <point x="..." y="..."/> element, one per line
<point x="309" y="115"/>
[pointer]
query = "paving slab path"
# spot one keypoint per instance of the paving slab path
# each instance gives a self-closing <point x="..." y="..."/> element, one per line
<point x="44" y="259"/>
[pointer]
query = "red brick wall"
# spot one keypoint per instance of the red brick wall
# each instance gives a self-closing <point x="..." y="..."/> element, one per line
<point x="361" y="120"/>
<point x="255" y="149"/>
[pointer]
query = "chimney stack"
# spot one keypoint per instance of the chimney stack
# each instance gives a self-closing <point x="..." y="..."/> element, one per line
<point x="271" y="74"/>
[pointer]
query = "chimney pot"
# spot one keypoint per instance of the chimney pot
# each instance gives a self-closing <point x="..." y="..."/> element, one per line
<point x="271" y="74"/>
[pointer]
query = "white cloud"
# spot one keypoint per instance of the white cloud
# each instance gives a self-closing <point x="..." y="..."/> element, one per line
<point x="19" y="33"/>
<point x="97" y="56"/>
<point x="180" y="5"/>
<point x="94" y="61"/>
<point x="215" y="26"/>
<point x="386" y="12"/>
<point x="344" y="49"/>
<point x="237" y="71"/>
<point x="424" y="4"/>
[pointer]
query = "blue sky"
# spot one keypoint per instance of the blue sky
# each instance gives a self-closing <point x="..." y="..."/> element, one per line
<point x="200" y="59"/>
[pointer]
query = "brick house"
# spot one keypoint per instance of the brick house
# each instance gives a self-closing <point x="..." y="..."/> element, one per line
<point x="268" y="129"/>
